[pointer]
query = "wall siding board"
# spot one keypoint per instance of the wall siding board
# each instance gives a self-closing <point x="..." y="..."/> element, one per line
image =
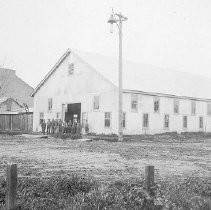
<point x="19" y="122"/>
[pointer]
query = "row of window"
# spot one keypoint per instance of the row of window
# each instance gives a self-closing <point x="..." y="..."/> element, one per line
<point x="134" y="105"/>
<point x="107" y="121"/>
<point x="166" y="121"/>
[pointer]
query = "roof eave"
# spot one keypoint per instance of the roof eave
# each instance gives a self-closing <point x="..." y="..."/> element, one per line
<point x="165" y="95"/>
<point x="51" y="71"/>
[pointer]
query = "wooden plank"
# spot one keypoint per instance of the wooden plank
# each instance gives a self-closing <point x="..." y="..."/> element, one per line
<point x="11" y="186"/>
<point x="149" y="177"/>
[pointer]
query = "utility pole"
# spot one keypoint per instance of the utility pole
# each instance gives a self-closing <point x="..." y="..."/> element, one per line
<point x="118" y="18"/>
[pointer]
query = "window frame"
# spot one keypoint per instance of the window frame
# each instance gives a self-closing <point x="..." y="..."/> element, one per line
<point x="166" y="128"/>
<point x="71" y="69"/>
<point x="156" y="99"/>
<point x="201" y="117"/>
<point x="58" y="115"/>
<point x="50" y="104"/>
<point x="134" y="98"/>
<point x="145" y="127"/>
<point x="107" y="119"/>
<point x="41" y="118"/>
<point x="183" y="117"/>
<point x="193" y="107"/>
<point x="124" y="120"/>
<point x="208" y="109"/>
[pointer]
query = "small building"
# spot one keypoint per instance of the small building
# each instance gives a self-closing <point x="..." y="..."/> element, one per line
<point x="84" y="87"/>
<point x="16" y="103"/>
<point x="14" y="87"/>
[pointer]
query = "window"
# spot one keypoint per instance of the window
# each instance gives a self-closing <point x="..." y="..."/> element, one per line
<point x="166" y="121"/>
<point x="50" y="104"/>
<point x="96" y="102"/>
<point x="201" y="122"/>
<point x="208" y="109"/>
<point x="134" y="103"/>
<point x="156" y="104"/>
<point x="193" y="107"/>
<point x="58" y="115"/>
<point x="123" y="119"/>
<point x="41" y="117"/>
<point x="107" y="119"/>
<point x="176" y="106"/>
<point x="145" y="120"/>
<point x="185" y="122"/>
<point x="70" y="68"/>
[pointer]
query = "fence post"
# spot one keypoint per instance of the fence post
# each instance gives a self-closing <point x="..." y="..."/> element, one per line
<point x="149" y="177"/>
<point x="11" y="186"/>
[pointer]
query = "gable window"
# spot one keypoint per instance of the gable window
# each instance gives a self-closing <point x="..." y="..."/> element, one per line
<point x="50" y="104"/>
<point x="134" y="102"/>
<point x="166" y="121"/>
<point x="201" y="122"/>
<point x="107" y="119"/>
<point x="70" y="69"/>
<point x="208" y="109"/>
<point x="156" y="104"/>
<point x="185" y="122"/>
<point x="176" y="106"/>
<point x="123" y="119"/>
<point x="193" y="107"/>
<point x="145" y="120"/>
<point x="96" y="103"/>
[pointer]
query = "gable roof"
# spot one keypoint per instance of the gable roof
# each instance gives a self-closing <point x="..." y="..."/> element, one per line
<point x="142" y="77"/>
<point x="15" y="88"/>
<point x="4" y="99"/>
<point x="51" y="71"/>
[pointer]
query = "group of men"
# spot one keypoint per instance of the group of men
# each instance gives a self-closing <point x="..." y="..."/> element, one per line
<point x="59" y="126"/>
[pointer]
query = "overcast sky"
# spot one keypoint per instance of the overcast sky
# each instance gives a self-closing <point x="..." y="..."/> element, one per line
<point x="173" y="34"/>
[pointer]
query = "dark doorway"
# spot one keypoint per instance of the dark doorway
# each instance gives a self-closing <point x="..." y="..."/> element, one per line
<point x="73" y="112"/>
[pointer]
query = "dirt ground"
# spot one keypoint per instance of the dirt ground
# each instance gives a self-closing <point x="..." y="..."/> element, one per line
<point x="106" y="161"/>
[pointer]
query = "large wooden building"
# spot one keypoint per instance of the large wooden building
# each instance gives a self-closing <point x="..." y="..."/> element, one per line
<point x="84" y="86"/>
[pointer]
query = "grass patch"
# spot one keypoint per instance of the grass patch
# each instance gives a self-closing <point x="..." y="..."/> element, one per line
<point x="168" y="136"/>
<point x="86" y="193"/>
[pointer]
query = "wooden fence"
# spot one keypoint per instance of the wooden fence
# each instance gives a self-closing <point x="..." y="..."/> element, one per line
<point x="16" y="122"/>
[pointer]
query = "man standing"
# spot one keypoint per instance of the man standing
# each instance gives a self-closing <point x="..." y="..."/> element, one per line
<point x="48" y="126"/>
<point x="52" y="126"/>
<point x="43" y="126"/>
<point x="86" y="127"/>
